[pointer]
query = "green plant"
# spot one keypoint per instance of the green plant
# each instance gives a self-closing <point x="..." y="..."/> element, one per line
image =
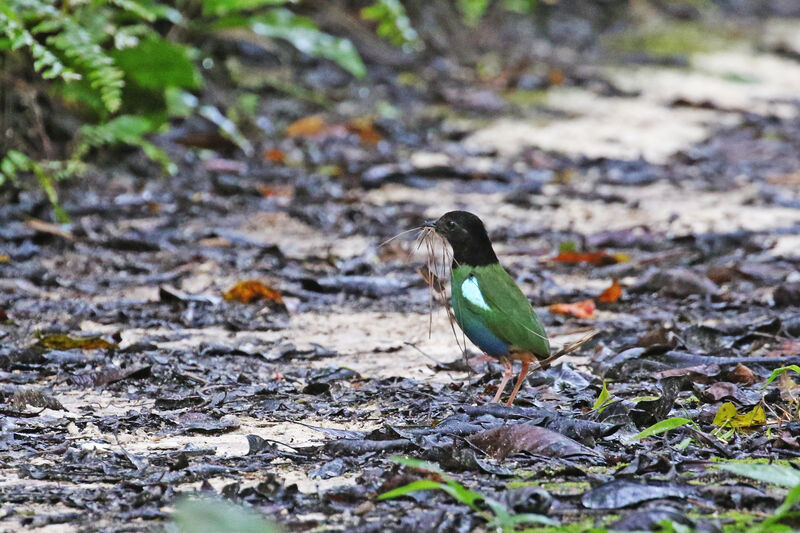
<point x="106" y="61"/>
<point x="207" y="515"/>
<point x="393" y="23"/>
<point x="498" y="516"/>
<point x="775" y="474"/>
<point x="663" y="426"/>
<point x="778" y="371"/>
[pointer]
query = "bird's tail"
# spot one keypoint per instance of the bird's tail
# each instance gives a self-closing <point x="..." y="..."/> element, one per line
<point x="568" y="348"/>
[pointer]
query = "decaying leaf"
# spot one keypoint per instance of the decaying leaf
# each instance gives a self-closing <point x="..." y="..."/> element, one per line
<point x="251" y="290"/>
<point x="504" y="440"/>
<point x="35" y="398"/>
<point x="611" y="294"/>
<point x="582" y="309"/>
<point x="599" y="258"/>
<point x="728" y="415"/>
<point x="65" y="342"/>
<point x="790" y="391"/>
<point x="365" y="129"/>
<point x="307" y="126"/>
<point x="110" y="375"/>
<point x="273" y="155"/>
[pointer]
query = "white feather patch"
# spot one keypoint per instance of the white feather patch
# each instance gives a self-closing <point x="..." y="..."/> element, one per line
<point x="472" y="292"/>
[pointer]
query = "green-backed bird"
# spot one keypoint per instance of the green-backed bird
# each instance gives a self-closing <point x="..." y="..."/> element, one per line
<point x="488" y="305"/>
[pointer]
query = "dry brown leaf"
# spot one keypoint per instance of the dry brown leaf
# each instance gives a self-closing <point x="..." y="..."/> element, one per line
<point x="365" y="129"/>
<point x="274" y="156"/>
<point x="307" y="127"/>
<point x="250" y="290"/>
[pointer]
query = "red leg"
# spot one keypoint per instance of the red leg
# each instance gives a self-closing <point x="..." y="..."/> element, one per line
<point x="520" y="379"/>
<point x="506" y="376"/>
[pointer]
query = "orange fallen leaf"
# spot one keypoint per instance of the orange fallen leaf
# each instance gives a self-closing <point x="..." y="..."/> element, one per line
<point x="555" y="76"/>
<point x="611" y="294"/>
<point x="582" y="309"/>
<point x="274" y="156"/>
<point x="307" y="127"/>
<point x="599" y="258"/>
<point x="247" y="291"/>
<point x="365" y="130"/>
<point x="275" y="190"/>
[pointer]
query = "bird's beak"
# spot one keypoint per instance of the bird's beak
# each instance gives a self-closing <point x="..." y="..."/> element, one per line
<point x="430" y="224"/>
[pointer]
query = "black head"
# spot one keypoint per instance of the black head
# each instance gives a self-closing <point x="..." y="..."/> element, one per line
<point x="467" y="236"/>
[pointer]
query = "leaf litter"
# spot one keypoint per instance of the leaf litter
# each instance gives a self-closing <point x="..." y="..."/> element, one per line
<point x="146" y="385"/>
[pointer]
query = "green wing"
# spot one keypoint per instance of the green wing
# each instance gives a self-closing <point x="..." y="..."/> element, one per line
<point x="510" y="315"/>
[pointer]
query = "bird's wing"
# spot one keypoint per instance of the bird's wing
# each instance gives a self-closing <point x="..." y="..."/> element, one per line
<point x="491" y="293"/>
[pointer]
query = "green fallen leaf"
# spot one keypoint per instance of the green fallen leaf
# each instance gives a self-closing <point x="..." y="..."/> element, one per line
<point x="727" y="415"/>
<point x="663" y="426"/>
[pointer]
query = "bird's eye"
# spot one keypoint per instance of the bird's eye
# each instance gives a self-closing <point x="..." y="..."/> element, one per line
<point x="450" y="224"/>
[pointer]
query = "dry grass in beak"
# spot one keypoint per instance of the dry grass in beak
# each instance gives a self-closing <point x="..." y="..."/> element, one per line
<point x="435" y="272"/>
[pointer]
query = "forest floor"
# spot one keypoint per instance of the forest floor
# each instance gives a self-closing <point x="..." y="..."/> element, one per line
<point x="679" y="181"/>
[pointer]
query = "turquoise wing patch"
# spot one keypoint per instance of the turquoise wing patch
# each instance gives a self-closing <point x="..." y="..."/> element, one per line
<point x="471" y="290"/>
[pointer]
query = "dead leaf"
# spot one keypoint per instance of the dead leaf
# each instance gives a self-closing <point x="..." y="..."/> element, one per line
<point x="268" y="191"/>
<point x="556" y="76"/>
<point x="699" y="373"/>
<point x="51" y="229"/>
<point x="35" y="398"/>
<point x="582" y="309"/>
<point x="787" y="348"/>
<point x="250" y="290"/>
<point x="507" y="439"/>
<point x="599" y="258"/>
<point x="727" y="415"/>
<point x="5" y="258"/>
<point x="790" y="391"/>
<point x="742" y="374"/>
<point x="110" y="375"/>
<point x="365" y="129"/>
<point x="611" y="294"/>
<point x="65" y="342"/>
<point x="274" y="156"/>
<point x="721" y="389"/>
<point x="307" y="127"/>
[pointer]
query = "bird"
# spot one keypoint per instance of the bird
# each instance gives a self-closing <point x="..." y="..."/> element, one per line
<point x="488" y="305"/>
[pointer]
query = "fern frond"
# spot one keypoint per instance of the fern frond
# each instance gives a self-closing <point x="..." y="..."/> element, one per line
<point x="44" y="61"/>
<point x="78" y="45"/>
<point x="16" y="162"/>
<point x="125" y="129"/>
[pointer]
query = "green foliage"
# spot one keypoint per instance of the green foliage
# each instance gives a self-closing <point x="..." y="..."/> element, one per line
<point x="778" y="371"/>
<point x="226" y="7"/>
<point x="44" y="61"/>
<point x="662" y="427"/>
<point x="107" y="60"/>
<point x="123" y="130"/>
<point x="775" y="474"/>
<point x="393" y="23"/>
<point x="603" y="399"/>
<point x="303" y="34"/>
<point x="473" y="10"/>
<point x="15" y="162"/>
<point x="156" y="64"/>
<point x="215" y="516"/>
<point x="500" y="517"/>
